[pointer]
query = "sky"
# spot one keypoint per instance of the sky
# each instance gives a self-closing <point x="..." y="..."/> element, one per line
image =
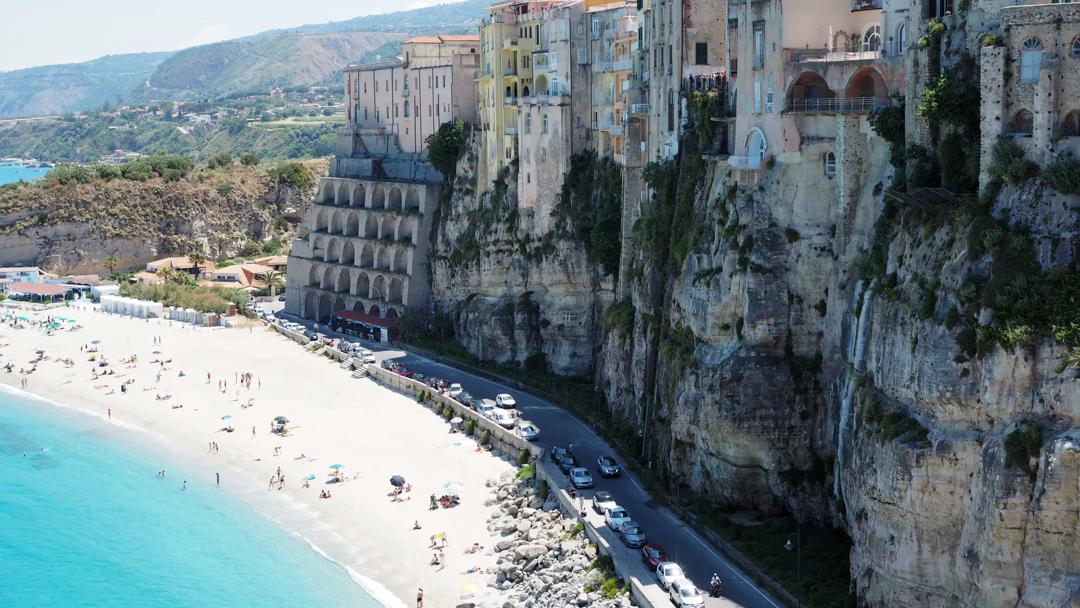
<point x="44" y="32"/>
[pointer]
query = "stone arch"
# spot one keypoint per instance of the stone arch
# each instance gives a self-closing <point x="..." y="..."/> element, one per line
<point x="374" y="311"/>
<point x="319" y="247"/>
<point x="348" y="253"/>
<point x="311" y="305"/>
<point x="378" y="288"/>
<point x="371" y="227"/>
<point x="383" y="258"/>
<point x="326" y="191"/>
<point x="378" y="197"/>
<point x="393" y="201"/>
<point x="322" y="220"/>
<point x="541" y="85"/>
<point x="1022" y="123"/>
<point x="341" y="193"/>
<point x="326" y="305"/>
<point x="337" y="222"/>
<point x="363" y="285"/>
<point x="1070" y="125"/>
<point x="343" y="282"/>
<point x="386" y="231"/>
<point x="406" y="229"/>
<point x="358" y="306"/>
<point x="391" y="314"/>
<point x="525" y="91"/>
<point x="367" y="256"/>
<point x="867" y="82"/>
<point x="352" y="224"/>
<point x="339" y="304"/>
<point x="396" y="291"/>
<point x="357" y="198"/>
<point x="327" y="278"/>
<point x="412" y="199"/>
<point x="401" y="261"/>
<point x="807" y="92"/>
<point x="315" y="275"/>
<point x="333" y="251"/>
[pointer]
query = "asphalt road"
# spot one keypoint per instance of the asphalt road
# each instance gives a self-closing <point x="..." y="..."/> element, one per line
<point x="558" y="427"/>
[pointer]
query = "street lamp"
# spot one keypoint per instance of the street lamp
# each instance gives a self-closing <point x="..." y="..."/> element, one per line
<point x="797" y="545"/>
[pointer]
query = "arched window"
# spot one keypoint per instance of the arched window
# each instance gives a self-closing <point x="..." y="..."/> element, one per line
<point x="1030" y="60"/>
<point x="830" y="165"/>
<point x="1022" y="124"/>
<point x="901" y="38"/>
<point x="1070" y="126"/>
<point x="872" y="39"/>
<point x="528" y="124"/>
<point x="544" y="125"/>
<point x="1075" y="49"/>
<point x="756" y="147"/>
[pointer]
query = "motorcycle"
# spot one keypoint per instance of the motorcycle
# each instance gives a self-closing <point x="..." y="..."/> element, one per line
<point x="714" y="590"/>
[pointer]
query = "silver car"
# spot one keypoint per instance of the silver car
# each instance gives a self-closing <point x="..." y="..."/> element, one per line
<point x="684" y="594"/>
<point x="528" y="430"/>
<point x="634" y="535"/>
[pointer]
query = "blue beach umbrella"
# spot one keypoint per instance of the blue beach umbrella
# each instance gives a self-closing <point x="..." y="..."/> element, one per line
<point x="337" y="466"/>
<point x="226" y="417"/>
<point x="310" y="477"/>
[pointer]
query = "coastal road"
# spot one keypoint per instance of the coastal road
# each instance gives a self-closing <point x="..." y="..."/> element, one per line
<point x="558" y="427"/>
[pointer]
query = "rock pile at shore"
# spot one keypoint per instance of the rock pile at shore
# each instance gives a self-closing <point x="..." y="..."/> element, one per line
<point x="541" y="562"/>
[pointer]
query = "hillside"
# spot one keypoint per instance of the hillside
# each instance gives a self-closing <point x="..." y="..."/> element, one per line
<point x="57" y="89"/>
<point x="441" y="18"/>
<point x="255" y="65"/>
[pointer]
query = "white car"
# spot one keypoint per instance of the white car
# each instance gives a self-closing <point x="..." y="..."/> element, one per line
<point x="368" y="357"/>
<point x="684" y="594"/>
<point x="580" y="478"/>
<point x="666" y="572"/>
<point x="506" y="401"/>
<point x="602" y="501"/>
<point x="528" y="430"/>
<point x="505" y="418"/>
<point x="456" y="390"/>
<point x="485" y="408"/>
<point x="616" y="516"/>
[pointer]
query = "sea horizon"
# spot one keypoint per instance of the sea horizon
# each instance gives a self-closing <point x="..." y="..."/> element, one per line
<point x="85" y="520"/>
<point x="10" y="174"/>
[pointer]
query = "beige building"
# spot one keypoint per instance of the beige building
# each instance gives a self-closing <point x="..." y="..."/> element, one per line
<point x="1031" y="83"/>
<point x="432" y="83"/>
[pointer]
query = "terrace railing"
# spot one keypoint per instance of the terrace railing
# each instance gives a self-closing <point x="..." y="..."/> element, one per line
<point x="836" y="105"/>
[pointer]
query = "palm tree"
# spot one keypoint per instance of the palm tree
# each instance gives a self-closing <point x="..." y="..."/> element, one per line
<point x="197" y="259"/>
<point x="111" y="263"/>
<point x="273" y="279"/>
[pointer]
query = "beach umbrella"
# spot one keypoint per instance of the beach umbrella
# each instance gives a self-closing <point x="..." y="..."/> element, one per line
<point x="226" y="417"/>
<point x="281" y="420"/>
<point x="310" y="477"/>
<point x="456" y="420"/>
<point x="453" y="487"/>
<point x="337" y="466"/>
<point x="397" y="481"/>
<point x="95" y="342"/>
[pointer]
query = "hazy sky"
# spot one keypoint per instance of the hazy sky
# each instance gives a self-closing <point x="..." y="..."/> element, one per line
<point x="42" y="32"/>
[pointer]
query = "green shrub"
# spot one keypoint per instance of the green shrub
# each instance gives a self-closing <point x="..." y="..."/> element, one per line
<point x="542" y="489"/>
<point x="1009" y="163"/>
<point x="485" y="437"/>
<point x="203" y="299"/>
<point x="294" y="175"/>
<point x="620" y="316"/>
<point x="71" y="174"/>
<point x="579" y="528"/>
<point x="791" y="234"/>
<point x="527" y="471"/>
<point x="220" y="161"/>
<point x="249" y="160"/>
<point x="444" y="148"/>
<point x="1064" y="175"/>
<point x="952" y="317"/>
<point x="470" y="427"/>
<point x="525" y="457"/>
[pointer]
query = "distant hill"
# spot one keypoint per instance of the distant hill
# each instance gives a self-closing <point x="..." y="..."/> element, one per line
<point x="255" y="65"/>
<point x="306" y="55"/>
<point x="57" y="89"/>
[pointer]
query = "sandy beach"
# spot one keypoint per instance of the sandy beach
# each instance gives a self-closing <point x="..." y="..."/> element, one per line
<point x="372" y="431"/>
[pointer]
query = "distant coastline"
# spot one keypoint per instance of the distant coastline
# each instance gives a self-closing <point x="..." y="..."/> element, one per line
<point x="13" y="170"/>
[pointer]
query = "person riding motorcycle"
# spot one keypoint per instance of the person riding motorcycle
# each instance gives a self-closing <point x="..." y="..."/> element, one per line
<point x="714" y="583"/>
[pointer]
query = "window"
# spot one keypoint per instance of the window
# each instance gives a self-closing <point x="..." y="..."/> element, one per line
<point x="1075" y="50"/>
<point x="901" y="38"/>
<point x="872" y="39"/>
<point x="1022" y="124"/>
<point x="830" y="165"/>
<point x="528" y="124"/>
<point x="759" y="44"/>
<point x="406" y="108"/>
<point x="701" y="53"/>
<point x="757" y="96"/>
<point x="1030" y="60"/>
<point x="769" y="101"/>
<point x="1070" y="127"/>
<point x="544" y="125"/>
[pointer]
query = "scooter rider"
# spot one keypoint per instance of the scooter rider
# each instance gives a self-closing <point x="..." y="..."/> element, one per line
<point x="714" y="583"/>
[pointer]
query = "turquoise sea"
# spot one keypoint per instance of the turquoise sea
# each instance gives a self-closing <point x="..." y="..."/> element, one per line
<point x="84" y="521"/>
<point x="13" y="173"/>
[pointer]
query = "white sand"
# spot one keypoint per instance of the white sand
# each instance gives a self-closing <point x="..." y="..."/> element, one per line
<point x="334" y="418"/>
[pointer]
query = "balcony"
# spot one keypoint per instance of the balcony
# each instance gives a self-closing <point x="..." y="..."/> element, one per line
<point x="746" y="163"/>
<point x="639" y="109"/>
<point x="508" y="72"/>
<point x="511" y="131"/>
<point x="405" y="92"/>
<point x="836" y="105"/>
<point x="510" y="44"/>
<point x="825" y="56"/>
<point x="866" y="5"/>
<point x="622" y="65"/>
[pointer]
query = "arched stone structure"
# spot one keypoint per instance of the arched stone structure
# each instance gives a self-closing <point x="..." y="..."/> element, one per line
<point x="363" y="285"/>
<point x="326" y="304"/>
<point x="339" y="304"/>
<point x="391" y="314"/>
<point x="378" y="197"/>
<point x="1022" y="123"/>
<point x="341" y="193"/>
<point x="378" y="288"/>
<point x="343" y="283"/>
<point x="311" y="306"/>
<point x="337" y="223"/>
<point x="367" y="256"/>
<point x="412" y="199"/>
<point x="401" y="260"/>
<point x="326" y="191"/>
<point x="357" y="197"/>
<point x="352" y="224"/>
<point x="394" y="198"/>
<point x="322" y="220"/>
<point x="327" y="278"/>
<point x="358" y="306"/>
<point x="387" y="228"/>
<point x="1070" y="125"/>
<point x="866" y="83"/>
<point x="406" y="230"/>
<point x="333" y="251"/>
<point x="383" y="258"/>
<point x="396" y="291"/>
<point x="315" y="275"/>
<point x="807" y="93"/>
<point x="348" y="253"/>
<point x="371" y="226"/>
<point x="374" y="311"/>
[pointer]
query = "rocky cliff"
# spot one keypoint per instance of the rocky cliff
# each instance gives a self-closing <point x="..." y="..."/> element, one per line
<point x="73" y="228"/>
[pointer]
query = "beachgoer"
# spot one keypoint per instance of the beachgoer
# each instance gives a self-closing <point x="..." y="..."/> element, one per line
<point x="419" y="597"/>
<point x="218" y="476"/>
<point x="184" y="487"/>
<point x="416" y="525"/>
<point x="110" y="413"/>
<point x="253" y="431"/>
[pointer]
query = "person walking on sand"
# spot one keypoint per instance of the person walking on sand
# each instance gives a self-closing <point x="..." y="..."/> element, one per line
<point x="419" y="597"/>
<point x="252" y="431"/>
<point x="110" y="413"/>
<point x="184" y="487"/>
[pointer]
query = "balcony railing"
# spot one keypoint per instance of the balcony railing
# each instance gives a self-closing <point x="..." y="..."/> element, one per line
<point x="835" y="105"/>
<point x="639" y="109"/>
<point x="750" y="163"/>
<point x="622" y="65"/>
<point x="817" y="56"/>
<point x="865" y="5"/>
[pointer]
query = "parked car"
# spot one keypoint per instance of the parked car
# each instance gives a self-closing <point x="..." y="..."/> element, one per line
<point x="667" y="572"/>
<point x="608" y="467"/>
<point x="557" y="454"/>
<point x="310" y="334"/>
<point x="653" y="555"/>
<point x="580" y="478"/>
<point x="485" y="409"/>
<point x="505" y="418"/>
<point x="615" y="516"/>
<point x="404" y="371"/>
<point x="684" y="594"/>
<point x="505" y="400"/>
<point x="528" y="430"/>
<point x="568" y="462"/>
<point x="367" y="357"/>
<point x="633" y="534"/>
<point x="281" y="298"/>
<point x="602" y="500"/>
<point x="456" y="390"/>
<point x="466" y="399"/>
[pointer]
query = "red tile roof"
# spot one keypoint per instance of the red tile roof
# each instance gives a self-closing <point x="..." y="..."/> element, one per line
<point x="37" y="289"/>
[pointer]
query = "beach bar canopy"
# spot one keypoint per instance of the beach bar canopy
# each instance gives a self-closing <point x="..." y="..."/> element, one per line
<point x="37" y="292"/>
<point x="360" y="324"/>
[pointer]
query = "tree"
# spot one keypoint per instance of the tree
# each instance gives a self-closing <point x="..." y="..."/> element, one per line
<point x="273" y="280"/>
<point x="444" y="147"/>
<point x="293" y="174"/>
<point x="167" y="110"/>
<point x="111" y="263"/>
<point x="197" y="260"/>
<point x="249" y="160"/>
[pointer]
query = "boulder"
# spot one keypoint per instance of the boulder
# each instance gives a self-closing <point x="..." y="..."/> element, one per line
<point x="526" y="552"/>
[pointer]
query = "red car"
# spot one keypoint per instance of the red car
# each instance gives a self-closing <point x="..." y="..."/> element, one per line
<point x="653" y="555"/>
<point x="404" y="371"/>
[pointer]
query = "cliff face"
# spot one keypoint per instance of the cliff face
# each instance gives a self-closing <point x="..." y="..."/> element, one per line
<point x="515" y="294"/>
<point x="73" y="228"/>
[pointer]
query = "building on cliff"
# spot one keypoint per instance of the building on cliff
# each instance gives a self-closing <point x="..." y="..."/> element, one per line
<point x="432" y="83"/>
